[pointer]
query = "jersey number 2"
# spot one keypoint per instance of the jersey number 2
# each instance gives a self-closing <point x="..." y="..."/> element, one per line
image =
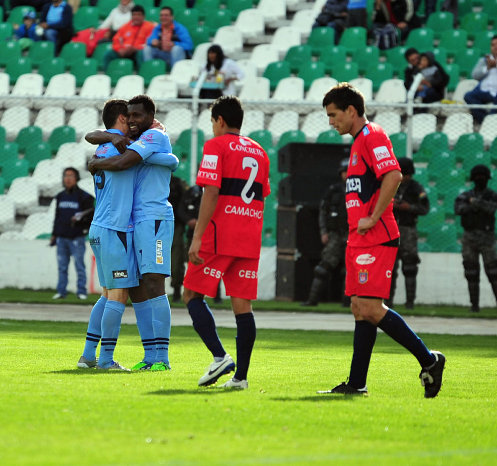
<point x="249" y="162"/>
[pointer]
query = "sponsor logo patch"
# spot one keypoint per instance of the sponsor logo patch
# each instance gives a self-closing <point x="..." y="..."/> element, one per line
<point x="120" y="274"/>
<point x="365" y="259"/>
<point x="354" y="159"/>
<point x="209" y="162"/>
<point x="95" y="240"/>
<point x="159" y="259"/>
<point x="363" y="276"/>
<point x="381" y="153"/>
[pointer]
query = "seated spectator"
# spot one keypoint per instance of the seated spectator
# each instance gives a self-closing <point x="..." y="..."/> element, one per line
<point x="485" y="92"/>
<point x="389" y="18"/>
<point x="56" y="20"/>
<point x="222" y="70"/>
<point x="435" y="79"/>
<point x="170" y="41"/>
<point x="333" y="15"/>
<point x="28" y="29"/>
<point x="357" y="13"/>
<point x="118" y="17"/>
<point x="130" y="39"/>
<point x="412" y="57"/>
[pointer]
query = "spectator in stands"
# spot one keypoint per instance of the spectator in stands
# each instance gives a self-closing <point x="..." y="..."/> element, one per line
<point x="357" y="13"/>
<point x="333" y="15"/>
<point x="435" y="79"/>
<point x="130" y="39"/>
<point x="430" y="7"/>
<point x="73" y="216"/>
<point x="28" y="30"/>
<point x="56" y="20"/>
<point x="118" y="17"/>
<point x="170" y="41"/>
<point x="36" y="4"/>
<point x="412" y="57"/>
<point x="391" y="17"/>
<point x="221" y="70"/>
<point x="485" y="92"/>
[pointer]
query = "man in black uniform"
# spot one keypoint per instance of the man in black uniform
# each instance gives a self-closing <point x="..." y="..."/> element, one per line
<point x="409" y="202"/>
<point x="334" y="229"/>
<point x="477" y="210"/>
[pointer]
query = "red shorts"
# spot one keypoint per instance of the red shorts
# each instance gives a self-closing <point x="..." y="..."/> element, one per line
<point x="239" y="275"/>
<point x="369" y="271"/>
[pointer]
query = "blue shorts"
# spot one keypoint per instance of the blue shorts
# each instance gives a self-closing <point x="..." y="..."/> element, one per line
<point x="152" y="240"/>
<point x="115" y="257"/>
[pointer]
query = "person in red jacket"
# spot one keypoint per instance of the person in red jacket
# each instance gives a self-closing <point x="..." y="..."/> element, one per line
<point x="130" y="39"/>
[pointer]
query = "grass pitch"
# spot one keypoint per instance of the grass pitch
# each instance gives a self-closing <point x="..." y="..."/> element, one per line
<point x="53" y="413"/>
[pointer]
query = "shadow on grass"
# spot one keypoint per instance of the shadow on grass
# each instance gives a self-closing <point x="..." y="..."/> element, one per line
<point x="89" y="372"/>
<point x="319" y="397"/>
<point x="198" y="391"/>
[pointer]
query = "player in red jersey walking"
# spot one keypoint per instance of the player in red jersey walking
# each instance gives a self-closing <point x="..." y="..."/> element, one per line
<point x="226" y="243"/>
<point x="373" y="177"/>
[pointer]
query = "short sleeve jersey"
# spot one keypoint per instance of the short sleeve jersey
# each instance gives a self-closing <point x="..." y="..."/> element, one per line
<point x="371" y="157"/>
<point x="239" y="167"/>
<point x="151" y="190"/>
<point x="113" y="193"/>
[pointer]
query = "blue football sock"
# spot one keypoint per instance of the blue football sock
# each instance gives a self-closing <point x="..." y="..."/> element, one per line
<point x="161" y="321"/>
<point x="111" y="325"/>
<point x="245" y="338"/>
<point x="143" y="312"/>
<point x="396" y="327"/>
<point x="364" y="340"/>
<point x="203" y="323"/>
<point x="94" y="331"/>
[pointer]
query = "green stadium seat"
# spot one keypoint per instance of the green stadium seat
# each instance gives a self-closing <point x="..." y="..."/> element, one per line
<point x="467" y="145"/>
<point x="153" y="14"/>
<point x="269" y="226"/>
<point x="434" y="218"/>
<point x="105" y="7"/>
<point x="441" y="164"/>
<point x="176" y="5"/>
<point x="290" y="136"/>
<point x="492" y="150"/>
<point x="3" y="135"/>
<point x="13" y="169"/>
<point x="146" y="4"/>
<point x="421" y="39"/>
<point x="41" y="51"/>
<point x="207" y="7"/>
<point x="399" y="143"/>
<point x="474" y="22"/>
<point x="86" y="17"/>
<point x="311" y="71"/>
<point x="17" y="67"/>
<point x="440" y="55"/>
<point x="354" y="38"/>
<point x="440" y="21"/>
<point x="73" y="52"/>
<point x="431" y="192"/>
<point x="476" y="158"/>
<point x="36" y="153"/>
<point x="183" y="170"/>
<point x="99" y="53"/>
<point x="482" y="40"/>
<point x="421" y="173"/>
<point x="395" y="56"/>
<point x="51" y="67"/>
<point x="321" y="39"/>
<point x="2" y="185"/>
<point x="333" y="57"/>
<point x="188" y="17"/>
<point x="9" y="151"/>
<point x="297" y="56"/>
<point x="275" y="72"/>
<point x="6" y="31"/>
<point x="464" y="7"/>
<point x="364" y="57"/>
<point x="466" y="59"/>
<point x="17" y="13"/>
<point x="434" y="142"/>
<point x="490" y="8"/>
<point x="235" y="6"/>
<point x="453" y="41"/>
<point x="346" y="72"/>
<point x="452" y="69"/>
<point x="263" y="137"/>
<point x="9" y="50"/>
<point x="152" y="68"/>
<point x="118" y="68"/>
<point x="379" y="72"/>
<point x="28" y="136"/>
<point x="443" y="238"/>
<point x="61" y="135"/>
<point x="217" y="19"/>
<point x="330" y="136"/>
<point x="184" y="143"/>
<point x="200" y="34"/>
<point x="86" y="67"/>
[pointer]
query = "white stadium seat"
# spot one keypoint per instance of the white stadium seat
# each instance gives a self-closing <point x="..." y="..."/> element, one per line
<point x="314" y="124"/>
<point x="230" y="39"/>
<point x="27" y="85"/>
<point x="83" y="120"/>
<point x="289" y="90"/>
<point x="177" y="120"/>
<point x="457" y="124"/>
<point x="303" y="21"/>
<point x="49" y="118"/>
<point x="463" y="86"/>
<point x="96" y="86"/>
<point x="249" y="71"/>
<point x="129" y="86"/>
<point x="183" y="72"/>
<point x="365" y="85"/>
<point x="319" y="88"/>
<point x="488" y="129"/>
<point x="287" y="120"/>
<point x="23" y="192"/>
<point x="61" y="86"/>
<point x="86" y="184"/>
<point x="422" y="124"/>
<point x="36" y="224"/>
<point x="262" y="55"/>
<point x="389" y="121"/>
<point x="255" y="89"/>
<point x="72" y="154"/>
<point x="284" y="38"/>
<point x="391" y="91"/>
<point x="251" y="24"/>
<point x="205" y="124"/>
<point x="200" y="54"/>
<point x="7" y="212"/>
<point x="162" y="87"/>
<point x="48" y="176"/>
<point x="13" y="119"/>
<point x="253" y="120"/>
<point x="272" y="10"/>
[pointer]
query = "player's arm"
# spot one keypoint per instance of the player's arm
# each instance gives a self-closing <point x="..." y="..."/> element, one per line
<point x="207" y="207"/>
<point x="164" y="159"/>
<point x="389" y="184"/>
<point x="98" y="137"/>
<point x="129" y="159"/>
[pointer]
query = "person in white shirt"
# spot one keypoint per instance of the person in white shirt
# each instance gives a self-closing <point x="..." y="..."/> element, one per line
<point x="222" y="70"/>
<point x="119" y="16"/>
<point x="485" y="92"/>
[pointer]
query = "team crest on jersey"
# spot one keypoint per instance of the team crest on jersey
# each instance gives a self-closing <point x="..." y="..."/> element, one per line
<point x="381" y="152"/>
<point x="365" y="131"/>
<point x="209" y="162"/>
<point x="363" y="276"/>
<point x="354" y="159"/>
<point x="244" y="142"/>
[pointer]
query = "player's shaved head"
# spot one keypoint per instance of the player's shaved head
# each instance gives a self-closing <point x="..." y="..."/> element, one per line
<point x="342" y="95"/>
<point x="112" y="109"/>
<point x="230" y="108"/>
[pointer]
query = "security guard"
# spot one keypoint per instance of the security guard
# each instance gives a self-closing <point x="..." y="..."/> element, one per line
<point x="477" y="210"/>
<point x="334" y="230"/>
<point x="409" y="202"/>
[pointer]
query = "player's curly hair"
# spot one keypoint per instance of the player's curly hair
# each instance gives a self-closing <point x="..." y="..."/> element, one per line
<point x="343" y="95"/>
<point x="112" y="109"/>
<point x="146" y="101"/>
<point x="230" y="108"/>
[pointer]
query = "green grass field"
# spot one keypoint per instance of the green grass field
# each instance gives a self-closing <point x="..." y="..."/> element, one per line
<point x="52" y="413"/>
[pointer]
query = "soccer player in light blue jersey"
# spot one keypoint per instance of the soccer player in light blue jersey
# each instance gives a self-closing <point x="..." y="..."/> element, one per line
<point x="152" y="214"/>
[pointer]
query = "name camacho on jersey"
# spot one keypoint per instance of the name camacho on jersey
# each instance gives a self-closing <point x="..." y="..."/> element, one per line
<point x="371" y="156"/>
<point x="239" y="167"/>
<point x="113" y="193"/>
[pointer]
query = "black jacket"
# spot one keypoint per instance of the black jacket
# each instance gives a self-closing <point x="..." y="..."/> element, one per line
<point x="68" y="204"/>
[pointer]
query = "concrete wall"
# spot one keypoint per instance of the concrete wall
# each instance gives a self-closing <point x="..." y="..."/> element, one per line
<point x="32" y="264"/>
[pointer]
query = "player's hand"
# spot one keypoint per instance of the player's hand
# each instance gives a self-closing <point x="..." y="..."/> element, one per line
<point x="120" y="142"/>
<point x="92" y="165"/>
<point x="157" y="125"/>
<point x="193" y="256"/>
<point x="191" y="223"/>
<point x="325" y="238"/>
<point x="364" y="225"/>
<point x="491" y="62"/>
